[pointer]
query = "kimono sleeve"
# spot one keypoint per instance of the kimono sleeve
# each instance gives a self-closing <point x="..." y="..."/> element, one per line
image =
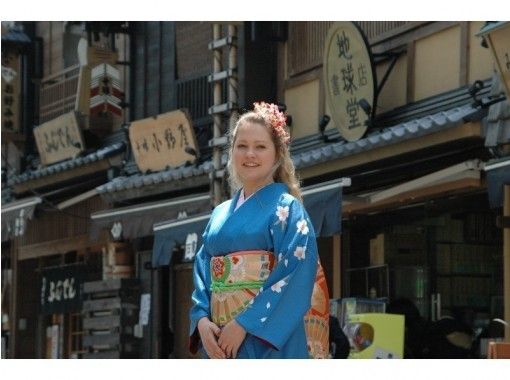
<point x="278" y="309"/>
<point x="201" y="295"/>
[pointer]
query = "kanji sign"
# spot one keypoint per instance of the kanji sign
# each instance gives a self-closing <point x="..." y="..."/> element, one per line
<point x="161" y="142"/>
<point x="348" y="78"/>
<point x="59" y="139"/>
<point x="10" y="92"/>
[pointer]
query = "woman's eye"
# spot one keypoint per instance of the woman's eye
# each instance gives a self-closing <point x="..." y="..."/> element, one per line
<point x="241" y="146"/>
<point x="261" y="147"/>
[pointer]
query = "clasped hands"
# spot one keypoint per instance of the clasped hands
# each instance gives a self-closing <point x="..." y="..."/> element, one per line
<point x="221" y="343"/>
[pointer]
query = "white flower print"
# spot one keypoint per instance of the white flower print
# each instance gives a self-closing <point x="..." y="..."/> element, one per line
<point x="268" y="305"/>
<point x="300" y="252"/>
<point x="302" y="226"/>
<point x="278" y="286"/>
<point x="286" y="262"/>
<point x="282" y="213"/>
<point x="263" y="319"/>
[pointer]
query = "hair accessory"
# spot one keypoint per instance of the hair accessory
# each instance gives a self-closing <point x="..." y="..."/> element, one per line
<point x="276" y="118"/>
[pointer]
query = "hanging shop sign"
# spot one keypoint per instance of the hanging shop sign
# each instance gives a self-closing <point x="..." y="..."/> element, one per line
<point x="164" y="141"/>
<point x="349" y="79"/>
<point x="10" y="92"/>
<point x="59" y="139"/>
<point x="105" y="90"/>
<point x="100" y="88"/>
<point x="61" y="289"/>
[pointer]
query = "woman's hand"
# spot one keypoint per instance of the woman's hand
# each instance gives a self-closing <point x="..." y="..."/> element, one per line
<point x="231" y="338"/>
<point x="208" y="333"/>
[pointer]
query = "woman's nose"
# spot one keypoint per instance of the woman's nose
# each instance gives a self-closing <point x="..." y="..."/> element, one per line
<point x="250" y="152"/>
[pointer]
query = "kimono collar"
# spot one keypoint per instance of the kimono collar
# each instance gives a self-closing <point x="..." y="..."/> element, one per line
<point x="265" y="195"/>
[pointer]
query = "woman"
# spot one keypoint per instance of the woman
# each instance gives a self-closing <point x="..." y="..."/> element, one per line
<point x="255" y="273"/>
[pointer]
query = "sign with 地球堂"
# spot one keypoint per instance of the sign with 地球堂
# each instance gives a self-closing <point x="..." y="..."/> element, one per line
<point x="349" y="79"/>
<point x="59" y="139"/>
<point x="163" y="141"/>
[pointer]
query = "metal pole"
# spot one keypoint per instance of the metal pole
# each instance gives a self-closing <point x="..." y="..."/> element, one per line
<point x="506" y="260"/>
<point x="216" y="185"/>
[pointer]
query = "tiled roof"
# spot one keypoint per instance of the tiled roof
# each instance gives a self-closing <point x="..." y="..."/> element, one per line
<point x="68" y="164"/>
<point x="395" y="134"/>
<point x="140" y="180"/>
<point x="315" y="152"/>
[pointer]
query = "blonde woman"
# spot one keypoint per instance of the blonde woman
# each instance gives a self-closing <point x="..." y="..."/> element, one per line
<point x="256" y="272"/>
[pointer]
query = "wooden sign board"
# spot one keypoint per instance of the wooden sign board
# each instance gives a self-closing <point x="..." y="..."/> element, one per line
<point x="59" y="139"/>
<point x="349" y="79"/>
<point x="160" y="142"/>
<point x="10" y="92"/>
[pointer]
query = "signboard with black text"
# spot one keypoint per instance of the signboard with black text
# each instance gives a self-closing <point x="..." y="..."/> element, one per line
<point x="349" y="79"/>
<point x="59" y="139"/>
<point x="163" y="141"/>
<point x="61" y="289"/>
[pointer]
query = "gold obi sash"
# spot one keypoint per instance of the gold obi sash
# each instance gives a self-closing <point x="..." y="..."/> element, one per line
<point x="236" y="279"/>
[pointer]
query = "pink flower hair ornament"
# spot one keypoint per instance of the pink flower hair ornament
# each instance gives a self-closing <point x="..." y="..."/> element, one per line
<point x="277" y="119"/>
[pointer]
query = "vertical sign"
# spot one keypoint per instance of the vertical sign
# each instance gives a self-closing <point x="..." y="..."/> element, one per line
<point x="349" y="79"/>
<point x="10" y="92"/>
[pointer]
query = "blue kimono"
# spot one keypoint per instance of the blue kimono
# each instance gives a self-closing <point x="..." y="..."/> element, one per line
<point x="272" y="220"/>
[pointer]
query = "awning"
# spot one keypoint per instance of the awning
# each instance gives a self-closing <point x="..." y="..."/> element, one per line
<point x="136" y="221"/>
<point x="15" y="215"/>
<point x="460" y="178"/>
<point x="498" y="175"/>
<point x="323" y="203"/>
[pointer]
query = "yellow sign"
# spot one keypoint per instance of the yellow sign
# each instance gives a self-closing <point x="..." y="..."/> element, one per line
<point x="161" y="142"/>
<point x="59" y="139"/>
<point x="376" y="336"/>
<point x="10" y="92"/>
<point x="349" y="79"/>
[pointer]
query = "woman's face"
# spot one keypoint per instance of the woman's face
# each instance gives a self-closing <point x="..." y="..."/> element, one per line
<point x="253" y="156"/>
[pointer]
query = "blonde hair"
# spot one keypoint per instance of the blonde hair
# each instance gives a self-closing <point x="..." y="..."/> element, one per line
<point x="284" y="170"/>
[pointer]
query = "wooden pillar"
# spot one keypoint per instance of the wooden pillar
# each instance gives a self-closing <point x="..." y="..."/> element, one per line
<point x="337" y="270"/>
<point x="13" y="298"/>
<point x="506" y="260"/>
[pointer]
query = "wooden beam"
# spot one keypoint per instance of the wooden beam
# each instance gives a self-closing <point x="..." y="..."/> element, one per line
<point x="419" y="195"/>
<point x="464" y="131"/>
<point x="55" y="247"/>
<point x="464" y="53"/>
<point x="506" y="262"/>
<point x="313" y="74"/>
<point x="337" y="267"/>
<point x="410" y="72"/>
<point x="416" y="33"/>
<point x="77" y="199"/>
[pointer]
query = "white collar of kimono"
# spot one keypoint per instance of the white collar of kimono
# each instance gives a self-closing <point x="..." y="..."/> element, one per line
<point x="241" y="199"/>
